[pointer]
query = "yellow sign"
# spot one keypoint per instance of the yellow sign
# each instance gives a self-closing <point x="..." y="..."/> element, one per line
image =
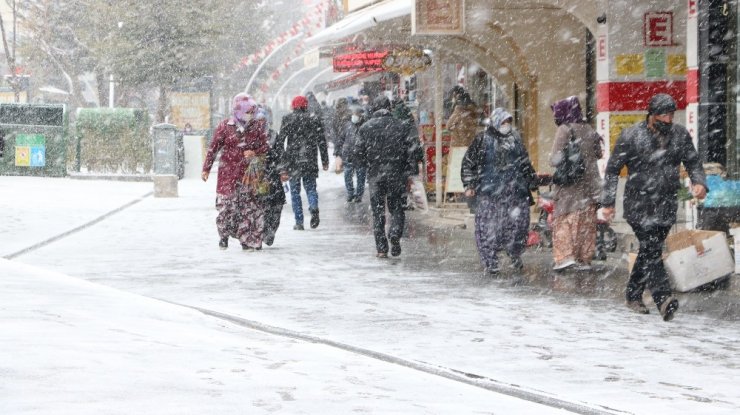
<point x="676" y="65"/>
<point x="406" y="62"/>
<point x="630" y="64"/>
<point x="192" y="108"/>
<point x="352" y="5"/>
<point x="617" y="123"/>
<point x="8" y="97"/>
<point x="23" y="156"/>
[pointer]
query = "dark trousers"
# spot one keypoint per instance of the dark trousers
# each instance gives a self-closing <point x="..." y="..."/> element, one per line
<point x="648" y="270"/>
<point x="390" y="191"/>
<point x="272" y="218"/>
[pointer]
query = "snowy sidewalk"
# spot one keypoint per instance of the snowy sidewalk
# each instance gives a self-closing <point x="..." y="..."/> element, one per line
<point x="72" y="347"/>
<point x="430" y="306"/>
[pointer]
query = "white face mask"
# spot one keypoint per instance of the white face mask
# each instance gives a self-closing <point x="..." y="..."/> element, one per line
<point x="355" y="119"/>
<point x="505" y="129"/>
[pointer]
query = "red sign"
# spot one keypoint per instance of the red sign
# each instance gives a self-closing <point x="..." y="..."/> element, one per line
<point x="365" y="61"/>
<point x="658" y="29"/>
<point x="692" y="8"/>
<point x="602" y="48"/>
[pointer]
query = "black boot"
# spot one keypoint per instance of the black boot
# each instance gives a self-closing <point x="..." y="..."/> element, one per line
<point x="314" y="218"/>
<point x="223" y="243"/>
<point x="395" y="247"/>
<point x="269" y="238"/>
<point x="668" y="308"/>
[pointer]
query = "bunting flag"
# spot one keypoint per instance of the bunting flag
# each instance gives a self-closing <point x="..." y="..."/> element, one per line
<point x="314" y="18"/>
<point x="280" y="69"/>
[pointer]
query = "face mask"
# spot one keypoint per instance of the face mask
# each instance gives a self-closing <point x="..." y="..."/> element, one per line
<point x="505" y="129"/>
<point x="663" y="127"/>
<point x="355" y="119"/>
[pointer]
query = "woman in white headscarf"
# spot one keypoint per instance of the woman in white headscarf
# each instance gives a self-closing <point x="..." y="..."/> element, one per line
<point x="496" y="170"/>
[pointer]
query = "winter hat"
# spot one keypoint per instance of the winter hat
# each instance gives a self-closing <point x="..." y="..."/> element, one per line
<point x="381" y="103"/>
<point x="498" y="117"/>
<point x="242" y="105"/>
<point x="661" y="104"/>
<point x="567" y="111"/>
<point x="299" y="103"/>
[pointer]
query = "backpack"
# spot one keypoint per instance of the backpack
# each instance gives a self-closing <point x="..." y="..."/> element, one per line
<point x="573" y="166"/>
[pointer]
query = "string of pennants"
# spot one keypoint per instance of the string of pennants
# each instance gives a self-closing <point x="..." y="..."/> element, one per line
<point x="275" y="75"/>
<point x="313" y="19"/>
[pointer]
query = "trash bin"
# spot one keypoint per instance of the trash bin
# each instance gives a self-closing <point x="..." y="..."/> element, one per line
<point x="165" y="160"/>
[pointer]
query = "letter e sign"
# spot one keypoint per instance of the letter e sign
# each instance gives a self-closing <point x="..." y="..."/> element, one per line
<point x="658" y="29"/>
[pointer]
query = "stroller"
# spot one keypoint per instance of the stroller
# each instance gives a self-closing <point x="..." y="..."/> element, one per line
<point x="541" y="233"/>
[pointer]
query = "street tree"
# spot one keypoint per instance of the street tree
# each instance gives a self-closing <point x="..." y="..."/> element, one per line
<point x="145" y="45"/>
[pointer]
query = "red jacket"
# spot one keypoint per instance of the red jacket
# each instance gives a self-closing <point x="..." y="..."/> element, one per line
<point x="232" y="143"/>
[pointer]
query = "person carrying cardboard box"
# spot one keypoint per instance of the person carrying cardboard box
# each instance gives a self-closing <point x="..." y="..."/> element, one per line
<point x="652" y="151"/>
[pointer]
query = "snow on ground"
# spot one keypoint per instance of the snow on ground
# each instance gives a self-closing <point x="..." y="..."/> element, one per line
<point x="35" y="209"/>
<point x="72" y="347"/>
<point x="423" y="307"/>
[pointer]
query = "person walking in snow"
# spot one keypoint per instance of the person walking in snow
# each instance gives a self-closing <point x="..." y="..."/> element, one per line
<point x="463" y="123"/>
<point x="303" y="136"/>
<point x="344" y="148"/>
<point x="574" y="219"/>
<point x="403" y="113"/>
<point x="652" y="151"/>
<point x="497" y="171"/>
<point x="242" y="142"/>
<point x="275" y="198"/>
<point x="384" y="149"/>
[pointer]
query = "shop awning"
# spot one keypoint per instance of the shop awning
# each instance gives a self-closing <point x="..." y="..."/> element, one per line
<point x="361" y="20"/>
<point x="345" y="81"/>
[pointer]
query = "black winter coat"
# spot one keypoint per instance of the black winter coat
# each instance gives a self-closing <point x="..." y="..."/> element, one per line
<point x="473" y="165"/>
<point x="276" y="196"/>
<point x="384" y="147"/>
<point x="651" y="192"/>
<point x="303" y="135"/>
<point x="344" y="146"/>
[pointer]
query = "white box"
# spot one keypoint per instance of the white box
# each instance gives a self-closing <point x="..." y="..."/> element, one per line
<point x="696" y="258"/>
<point x="735" y="232"/>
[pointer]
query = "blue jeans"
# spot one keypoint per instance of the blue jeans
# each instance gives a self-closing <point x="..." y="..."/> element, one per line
<point x="295" y="196"/>
<point x="349" y="172"/>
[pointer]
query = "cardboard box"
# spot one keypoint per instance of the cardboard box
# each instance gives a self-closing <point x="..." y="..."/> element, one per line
<point x="735" y="232"/>
<point x="696" y="258"/>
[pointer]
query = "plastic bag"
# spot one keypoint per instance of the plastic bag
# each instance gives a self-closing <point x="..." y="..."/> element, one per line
<point x="418" y="193"/>
<point x="255" y="177"/>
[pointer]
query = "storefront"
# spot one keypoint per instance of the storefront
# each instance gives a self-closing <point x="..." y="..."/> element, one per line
<point x="714" y="73"/>
<point x="485" y="93"/>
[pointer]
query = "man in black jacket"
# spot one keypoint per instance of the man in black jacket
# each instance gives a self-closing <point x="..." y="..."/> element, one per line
<point x="383" y="146"/>
<point x="652" y="151"/>
<point x="303" y="134"/>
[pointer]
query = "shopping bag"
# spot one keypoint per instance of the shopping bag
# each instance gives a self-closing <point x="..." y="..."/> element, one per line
<point x="418" y="193"/>
<point x="255" y="177"/>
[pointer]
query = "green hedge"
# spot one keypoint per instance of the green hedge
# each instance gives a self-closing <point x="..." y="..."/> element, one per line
<point x="114" y="140"/>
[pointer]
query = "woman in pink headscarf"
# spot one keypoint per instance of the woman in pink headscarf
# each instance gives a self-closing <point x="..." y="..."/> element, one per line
<point x="242" y="141"/>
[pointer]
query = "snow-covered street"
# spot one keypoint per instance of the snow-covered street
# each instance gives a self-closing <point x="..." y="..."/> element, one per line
<point x="313" y="324"/>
